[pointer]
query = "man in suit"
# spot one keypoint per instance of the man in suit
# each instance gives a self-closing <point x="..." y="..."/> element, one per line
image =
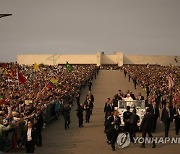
<point x="166" y="118"/>
<point x="135" y="81"/>
<point x="78" y="95"/>
<point x="134" y="119"/>
<point x="129" y="77"/>
<point x="132" y="95"/>
<point x="109" y="107"/>
<point x="146" y="126"/>
<point x="30" y="138"/>
<point x="176" y="113"/>
<point x="88" y="105"/>
<point x="80" y="115"/>
<point x="148" y="102"/>
<point x="89" y="84"/>
<point x="155" y="114"/>
<point x="114" y="122"/>
<point x="66" y="114"/>
<point x="91" y="97"/>
<point x="117" y="97"/>
<point x="140" y="97"/>
<point x="39" y="121"/>
<point x="126" y="119"/>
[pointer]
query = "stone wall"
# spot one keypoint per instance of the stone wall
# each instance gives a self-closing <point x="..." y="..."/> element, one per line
<point x="99" y="59"/>
<point x="144" y="59"/>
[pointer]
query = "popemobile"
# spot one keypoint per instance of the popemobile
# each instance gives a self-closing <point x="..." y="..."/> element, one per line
<point x="139" y="105"/>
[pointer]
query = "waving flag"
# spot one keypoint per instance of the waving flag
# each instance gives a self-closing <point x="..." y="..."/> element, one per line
<point x="69" y="67"/>
<point x="6" y="73"/>
<point x="21" y="78"/>
<point x="36" y="67"/>
<point x="50" y="85"/>
<point x="54" y="81"/>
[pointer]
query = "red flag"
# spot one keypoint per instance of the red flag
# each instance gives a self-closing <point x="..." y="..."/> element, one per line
<point x="50" y="85"/>
<point x="21" y="78"/>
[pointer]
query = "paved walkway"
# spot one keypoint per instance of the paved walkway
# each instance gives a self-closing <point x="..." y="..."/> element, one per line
<point x="91" y="139"/>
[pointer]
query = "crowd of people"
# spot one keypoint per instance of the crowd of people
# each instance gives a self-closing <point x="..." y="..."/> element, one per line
<point x="32" y="96"/>
<point x="160" y="82"/>
<point x="162" y="86"/>
<point x="162" y="100"/>
<point x="110" y="67"/>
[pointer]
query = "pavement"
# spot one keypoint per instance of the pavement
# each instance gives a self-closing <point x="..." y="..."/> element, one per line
<point x="91" y="138"/>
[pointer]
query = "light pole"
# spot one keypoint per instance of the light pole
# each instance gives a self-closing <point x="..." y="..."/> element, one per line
<point x="5" y="15"/>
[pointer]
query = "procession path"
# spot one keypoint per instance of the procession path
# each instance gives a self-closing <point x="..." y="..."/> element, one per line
<point x="91" y="138"/>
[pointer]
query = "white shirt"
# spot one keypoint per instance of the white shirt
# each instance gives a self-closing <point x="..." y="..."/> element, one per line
<point x="178" y="111"/>
<point x="29" y="137"/>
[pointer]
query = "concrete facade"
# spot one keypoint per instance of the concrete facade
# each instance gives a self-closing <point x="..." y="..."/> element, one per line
<point x="144" y="59"/>
<point x="99" y="59"/>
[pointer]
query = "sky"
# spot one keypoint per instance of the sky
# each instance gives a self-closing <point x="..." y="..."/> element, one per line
<point x="144" y="27"/>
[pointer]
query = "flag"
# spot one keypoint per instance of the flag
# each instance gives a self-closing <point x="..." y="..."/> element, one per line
<point x="10" y="74"/>
<point x="6" y="73"/>
<point x="69" y="67"/>
<point x="170" y="82"/>
<point x="50" y="85"/>
<point x="36" y="67"/>
<point x="21" y="78"/>
<point x="54" y="81"/>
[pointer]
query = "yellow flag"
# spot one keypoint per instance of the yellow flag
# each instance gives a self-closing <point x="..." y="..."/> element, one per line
<point x="6" y="73"/>
<point x="36" y="67"/>
<point x="54" y="81"/>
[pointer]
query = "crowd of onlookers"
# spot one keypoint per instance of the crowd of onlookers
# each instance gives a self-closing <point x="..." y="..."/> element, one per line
<point x="110" y="67"/>
<point x="37" y="93"/>
<point x="154" y="79"/>
<point x="39" y="98"/>
<point x="162" y="87"/>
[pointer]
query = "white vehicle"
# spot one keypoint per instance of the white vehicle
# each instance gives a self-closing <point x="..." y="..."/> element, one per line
<point x="139" y="105"/>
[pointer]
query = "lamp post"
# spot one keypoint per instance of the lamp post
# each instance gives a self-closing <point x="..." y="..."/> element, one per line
<point x="5" y="15"/>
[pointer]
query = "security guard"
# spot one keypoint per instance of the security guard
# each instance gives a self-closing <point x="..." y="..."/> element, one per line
<point x="114" y="122"/>
<point x="146" y="126"/>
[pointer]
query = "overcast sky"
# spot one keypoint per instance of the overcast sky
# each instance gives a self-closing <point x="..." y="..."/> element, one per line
<point x="149" y="27"/>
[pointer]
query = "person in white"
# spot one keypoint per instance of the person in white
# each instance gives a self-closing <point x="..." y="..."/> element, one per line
<point x="129" y="100"/>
